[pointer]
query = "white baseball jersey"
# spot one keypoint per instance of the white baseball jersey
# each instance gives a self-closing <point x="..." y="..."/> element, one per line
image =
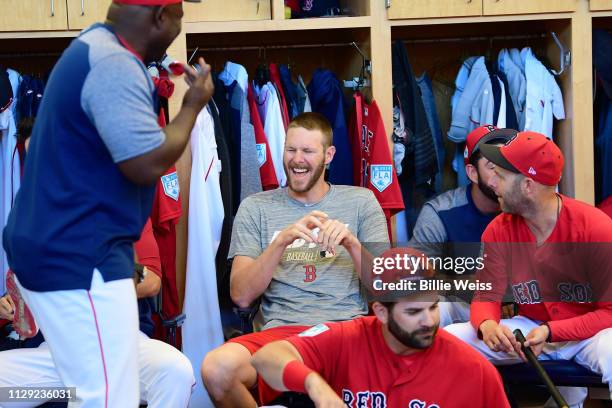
<point x="270" y="113"/>
<point x="202" y="330"/>
<point x="9" y="179"/>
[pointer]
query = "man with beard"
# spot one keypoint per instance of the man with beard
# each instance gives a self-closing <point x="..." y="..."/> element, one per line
<point x="451" y="224"/>
<point x="397" y="358"/>
<point x="299" y="249"/>
<point x="542" y="244"/>
<point x="95" y="155"/>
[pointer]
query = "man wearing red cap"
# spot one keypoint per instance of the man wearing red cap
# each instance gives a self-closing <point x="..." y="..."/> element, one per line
<point x="554" y="252"/>
<point x="95" y="155"/>
<point x="451" y="224"/>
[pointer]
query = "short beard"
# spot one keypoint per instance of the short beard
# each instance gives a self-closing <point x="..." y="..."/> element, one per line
<point x="410" y="339"/>
<point x="514" y="202"/>
<point x="316" y="174"/>
<point x="486" y="190"/>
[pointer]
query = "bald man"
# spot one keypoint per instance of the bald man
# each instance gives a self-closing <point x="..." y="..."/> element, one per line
<point x="95" y="155"/>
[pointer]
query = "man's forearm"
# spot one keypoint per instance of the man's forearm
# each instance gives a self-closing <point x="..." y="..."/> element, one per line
<point x="147" y="168"/>
<point x="249" y="281"/>
<point x="362" y="259"/>
<point x="270" y="362"/>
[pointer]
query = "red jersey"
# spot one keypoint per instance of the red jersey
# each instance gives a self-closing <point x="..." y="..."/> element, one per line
<point x="355" y="360"/>
<point x="565" y="285"/>
<point x="374" y="168"/>
<point x="164" y="216"/>
<point x="266" y="166"/>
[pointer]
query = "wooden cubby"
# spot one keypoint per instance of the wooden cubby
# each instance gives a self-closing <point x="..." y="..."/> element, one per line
<point x="440" y="49"/>
<point x="598" y="5"/>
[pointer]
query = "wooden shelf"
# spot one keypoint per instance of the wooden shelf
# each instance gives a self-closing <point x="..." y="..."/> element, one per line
<point x="38" y="34"/>
<point x="479" y="19"/>
<point x="277" y="25"/>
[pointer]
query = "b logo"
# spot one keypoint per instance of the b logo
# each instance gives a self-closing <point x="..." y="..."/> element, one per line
<point x="310" y="273"/>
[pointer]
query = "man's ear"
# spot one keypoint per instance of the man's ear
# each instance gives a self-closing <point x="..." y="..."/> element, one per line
<point x="329" y="154"/>
<point x="381" y="312"/>
<point x="158" y="16"/>
<point x="472" y="173"/>
<point x="529" y="186"/>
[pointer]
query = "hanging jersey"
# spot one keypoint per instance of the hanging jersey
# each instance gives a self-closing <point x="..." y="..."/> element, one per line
<point x="202" y="330"/>
<point x="373" y="167"/>
<point x="165" y="215"/>
<point x="270" y="113"/>
<point x="276" y="80"/>
<point x="264" y="157"/>
<point x="10" y="171"/>
<point x="327" y="98"/>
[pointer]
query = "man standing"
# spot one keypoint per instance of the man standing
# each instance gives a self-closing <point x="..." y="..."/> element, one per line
<point x="397" y="358"/>
<point x="452" y="223"/>
<point x="552" y="250"/>
<point x="96" y="152"/>
<point x="298" y="248"/>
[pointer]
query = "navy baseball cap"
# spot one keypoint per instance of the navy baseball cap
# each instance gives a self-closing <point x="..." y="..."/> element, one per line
<point x="485" y="134"/>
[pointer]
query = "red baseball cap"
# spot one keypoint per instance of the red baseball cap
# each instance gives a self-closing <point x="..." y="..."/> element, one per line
<point x="485" y="134"/>
<point x="148" y="2"/>
<point x="530" y="153"/>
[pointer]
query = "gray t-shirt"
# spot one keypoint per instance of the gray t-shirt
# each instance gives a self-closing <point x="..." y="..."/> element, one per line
<point x="309" y="286"/>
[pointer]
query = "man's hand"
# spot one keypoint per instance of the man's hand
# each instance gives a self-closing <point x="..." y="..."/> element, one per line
<point x="7" y="308"/>
<point x="302" y="228"/>
<point x="499" y="337"/>
<point x="536" y="339"/>
<point x="321" y="393"/>
<point x="201" y="87"/>
<point x="334" y="233"/>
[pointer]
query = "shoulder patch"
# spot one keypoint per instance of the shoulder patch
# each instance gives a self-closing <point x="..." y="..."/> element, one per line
<point x="314" y="331"/>
<point x="171" y="185"/>
<point x="381" y="176"/>
<point x="261" y="153"/>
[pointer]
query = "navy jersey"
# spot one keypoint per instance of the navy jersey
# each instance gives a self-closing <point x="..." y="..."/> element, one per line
<point x="451" y="225"/>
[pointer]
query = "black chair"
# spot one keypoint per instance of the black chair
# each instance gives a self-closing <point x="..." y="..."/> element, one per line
<point x="169" y="323"/>
<point x="293" y="400"/>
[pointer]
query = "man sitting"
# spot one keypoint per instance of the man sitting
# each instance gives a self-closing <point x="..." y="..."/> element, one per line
<point x="299" y="248"/>
<point x="397" y="358"/>
<point x="555" y="253"/>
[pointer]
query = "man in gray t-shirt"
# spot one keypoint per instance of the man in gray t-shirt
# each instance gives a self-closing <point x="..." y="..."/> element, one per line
<point x="299" y="248"/>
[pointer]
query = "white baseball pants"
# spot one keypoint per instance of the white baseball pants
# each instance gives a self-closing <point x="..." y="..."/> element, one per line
<point x="93" y="338"/>
<point x="594" y="353"/>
